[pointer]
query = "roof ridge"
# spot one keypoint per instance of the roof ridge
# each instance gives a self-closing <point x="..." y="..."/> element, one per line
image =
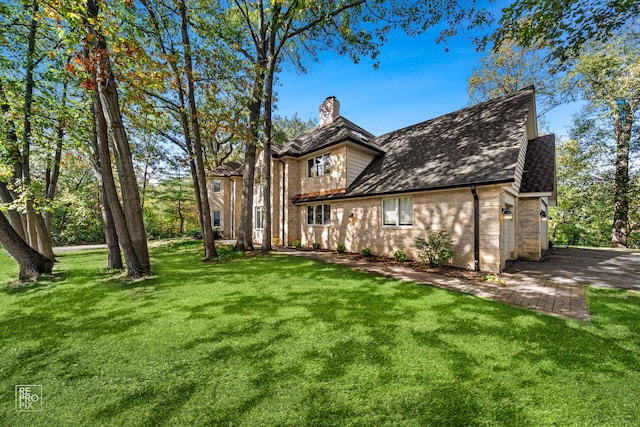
<point x="496" y="100"/>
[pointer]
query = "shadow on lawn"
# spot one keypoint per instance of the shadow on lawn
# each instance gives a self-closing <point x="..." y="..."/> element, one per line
<point x="526" y="349"/>
<point x="329" y="346"/>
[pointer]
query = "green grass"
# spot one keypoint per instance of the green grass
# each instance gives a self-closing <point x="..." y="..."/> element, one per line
<point x="282" y="340"/>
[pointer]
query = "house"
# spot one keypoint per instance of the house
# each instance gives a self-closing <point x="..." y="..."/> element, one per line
<point x="482" y="173"/>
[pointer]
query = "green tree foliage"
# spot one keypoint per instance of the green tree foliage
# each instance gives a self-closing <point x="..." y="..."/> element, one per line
<point x="510" y="68"/>
<point x="564" y="26"/>
<point x="583" y="216"/>
<point x="286" y="128"/>
<point x="608" y="77"/>
<point x="170" y="209"/>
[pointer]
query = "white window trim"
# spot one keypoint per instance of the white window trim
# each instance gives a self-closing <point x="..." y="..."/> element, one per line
<point x="255" y="219"/>
<point x="308" y="169"/>
<point x="397" y="224"/>
<point x="213" y="184"/>
<point x="306" y="213"/>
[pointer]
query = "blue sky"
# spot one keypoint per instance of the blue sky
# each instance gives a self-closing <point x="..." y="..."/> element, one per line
<point x="417" y="80"/>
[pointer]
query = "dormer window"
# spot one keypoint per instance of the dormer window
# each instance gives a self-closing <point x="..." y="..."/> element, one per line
<point x="318" y="166"/>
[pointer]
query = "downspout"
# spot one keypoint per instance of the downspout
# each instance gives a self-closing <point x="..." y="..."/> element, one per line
<point x="476" y="228"/>
<point x="282" y="201"/>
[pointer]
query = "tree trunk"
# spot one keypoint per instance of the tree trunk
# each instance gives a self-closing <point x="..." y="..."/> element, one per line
<point x="126" y="174"/>
<point x="134" y="267"/>
<point x="268" y="100"/>
<point x="12" y="215"/>
<point x="110" y="109"/>
<point x="52" y="175"/>
<point x="623" y="126"/>
<point x="32" y="264"/>
<point x="245" y="229"/>
<point x="207" y="229"/>
<point x="114" y="256"/>
<point x="39" y="237"/>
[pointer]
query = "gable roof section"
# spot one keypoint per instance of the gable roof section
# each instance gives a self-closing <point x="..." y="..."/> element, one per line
<point x="322" y="137"/>
<point x="539" y="174"/>
<point x="476" y="145"/>
<point x="228" y="169"/>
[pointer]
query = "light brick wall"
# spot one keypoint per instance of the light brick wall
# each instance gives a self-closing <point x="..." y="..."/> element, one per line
<point x="336" y="179"/>
<point x="293" y="180"/>
<point x="528" y="224"/>
<point x="447" y="210"/>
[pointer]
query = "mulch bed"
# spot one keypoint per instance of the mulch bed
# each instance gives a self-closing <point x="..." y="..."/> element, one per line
<point x="414" y="265"/>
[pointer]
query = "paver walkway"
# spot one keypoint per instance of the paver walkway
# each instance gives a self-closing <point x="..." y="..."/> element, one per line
<point x="537" y="294"/>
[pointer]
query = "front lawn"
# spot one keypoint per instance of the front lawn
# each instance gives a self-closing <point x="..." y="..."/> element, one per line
<point x="280" y="340"/>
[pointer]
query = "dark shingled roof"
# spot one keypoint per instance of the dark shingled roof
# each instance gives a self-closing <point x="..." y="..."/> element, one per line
<point x="322" y="137"/>
<point x="229" y="169"/>
<point x="539" y="171"/>
<point x="476" y="145"/>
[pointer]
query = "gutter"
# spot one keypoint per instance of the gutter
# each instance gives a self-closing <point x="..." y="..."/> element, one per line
<point x="476" y="228"/>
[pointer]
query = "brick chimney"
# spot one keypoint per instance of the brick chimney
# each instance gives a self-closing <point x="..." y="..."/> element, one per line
<point x="329" y="110"/>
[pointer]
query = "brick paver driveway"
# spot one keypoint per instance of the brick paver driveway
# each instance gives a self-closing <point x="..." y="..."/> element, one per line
<point x="604" y="268"/>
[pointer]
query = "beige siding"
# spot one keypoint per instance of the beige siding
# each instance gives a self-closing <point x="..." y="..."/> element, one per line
<point x="357" y="161"/>
<point x="520" y="165"/>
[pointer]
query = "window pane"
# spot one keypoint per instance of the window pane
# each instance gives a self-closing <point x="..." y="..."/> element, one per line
<point x="318" y="215"/>
<point x="259" y="217"/>
<point x="406" y="211"/>
<point x="311" y="168"/>
<point x="216" y="185"/>
<point x="389" y="212"/>
<point x="309" y="214"/>
<point x="327" y="214"/>
<point x="326" y="162"/>
<point x="216" y="218"/>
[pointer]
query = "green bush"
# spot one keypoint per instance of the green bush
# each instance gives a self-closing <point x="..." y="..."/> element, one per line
<point x="341" y="248"/>
<point x="435" y="248"/>
<point x="296" y="244"/>
<point x="367" y="252"/>
<point x="400" y="255"/>
<point x="316" y="246"/>
<point x="194" y="233"/>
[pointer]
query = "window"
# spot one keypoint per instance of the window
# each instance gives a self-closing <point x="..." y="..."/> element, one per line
<point x="319" y="214"/>
<point x="259" y="217"/>
<point x="397" y="211"/>
<point x="217" y="184"/>
<point x="319" y="166"/>
<point x="216" y="218"/>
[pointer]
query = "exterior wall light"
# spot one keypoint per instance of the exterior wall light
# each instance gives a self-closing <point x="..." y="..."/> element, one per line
<point x="507" y="214"/>
<point x="352" y="217"/>
<point x="543" y="215"/>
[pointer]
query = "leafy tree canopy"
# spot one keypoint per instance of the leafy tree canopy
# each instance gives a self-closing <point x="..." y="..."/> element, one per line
<point x="564" y="26"/>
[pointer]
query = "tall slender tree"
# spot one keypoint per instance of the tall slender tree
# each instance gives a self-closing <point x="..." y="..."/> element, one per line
<point x="131" y="232"/>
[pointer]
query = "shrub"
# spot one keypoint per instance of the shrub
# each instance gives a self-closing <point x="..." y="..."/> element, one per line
<point x="276" y="241"/>
<point x="400" y="255"/>
<point x="435" y="248"/>
<point x="341" y="248"/>
<point x="296" y="244"/>
<point x="316" y="246"/>
<point x="367" y="252"/>
<point x="194" y="233"/>
<point x="217" y="234"/>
